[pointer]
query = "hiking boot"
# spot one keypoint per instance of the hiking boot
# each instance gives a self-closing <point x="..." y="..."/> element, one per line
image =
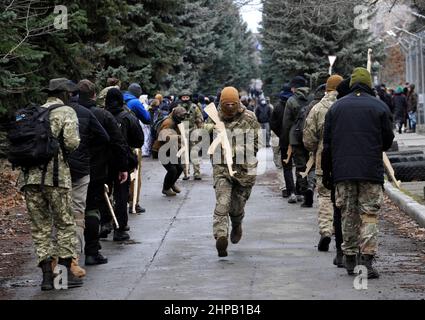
<point x="176" y="189"/>
<point x="350" y="263"/>
<point x="300" y="198"/>
<point x="126" y="228"/>
<point x="324" y="242"/>
<point x="73" y="281"/>
<point x="236" y="234"/>
<point x="95" y="260"/>
<point x="221" y="246"/>
<point x="105" y="230"/>
<point x="46" y="268"/>
<point x="308" y="199"/>
<point x="121" y="235"/>
<point x="169" y="193"/>
<point x="285" y="193"/>
<point x="185" y="178"/>
<point x="338" y="260"/>
<point x="198" y="177"/>
<point x="292" y="198"/>
<point x="76" y="269"/>
<point x="138" y="209"/>
<point x="367" y="261"/>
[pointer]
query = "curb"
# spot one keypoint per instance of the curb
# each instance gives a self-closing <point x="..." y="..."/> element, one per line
<point x="415" y="210"/>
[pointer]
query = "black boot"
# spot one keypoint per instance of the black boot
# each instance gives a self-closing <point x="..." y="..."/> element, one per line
<point x="338" y="261"/>
<point x="308" y="199"/>
<point x="105" y="230"/>
<point x="73" y="281"/>
<point x="367" y="261"/>
<point x="46" y="268"/>
<point x="221" y="246"/>
<point x="95" y="260"/>
<point x="324" y="244"/>
<point x="121" y="235"/>
<point x="350" y="263"/>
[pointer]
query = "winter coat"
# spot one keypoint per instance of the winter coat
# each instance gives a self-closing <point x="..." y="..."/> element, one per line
<point x="263" y="113"/>
<point x="131" y="131"/>
<point x="64" y="126"/>
<point x="167" y="129"/>
<point x="101" y="154"/>
<point x="137" y="108"/>
<point x="358" y="129"/>
<point x="400" y="108"/>
<point x="244" y="123"/>
<point x="290" y="116"/>
<point x="412" y="102"/>
<point x="91" y="133"/>
<point x="314" y="125"/>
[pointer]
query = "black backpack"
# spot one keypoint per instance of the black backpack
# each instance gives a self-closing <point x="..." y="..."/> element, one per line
<point x="299" y="123"/>
<point x="31" y="143"/>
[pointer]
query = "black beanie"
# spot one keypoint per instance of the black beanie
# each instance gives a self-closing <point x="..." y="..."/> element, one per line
<point x="298" y="82"/>
<point x="344" y="88"/>
<point x="114" y="101"/>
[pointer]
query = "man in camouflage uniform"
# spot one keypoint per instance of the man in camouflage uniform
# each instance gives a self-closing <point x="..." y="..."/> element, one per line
<point x="232" y="193"/>
<point x="358" y="128"/>
<point x="313" y="142"/>
<point x="49" y="203"/>
<point x="196" y="121"/>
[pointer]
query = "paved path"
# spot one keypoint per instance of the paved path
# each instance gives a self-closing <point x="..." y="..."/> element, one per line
<point x="173" y="254"/>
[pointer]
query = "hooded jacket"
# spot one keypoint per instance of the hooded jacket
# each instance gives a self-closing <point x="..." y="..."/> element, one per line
<point x="137" y="108"/>
<point x="292" y="109"/>
<point x="358" y="129"/>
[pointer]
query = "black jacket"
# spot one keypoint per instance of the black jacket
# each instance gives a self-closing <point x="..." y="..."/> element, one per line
<point x="91" y="133"/>
<point x="102" y="153"/>
<point x="132" y="132"/>
<point x="400" y="107"/>
<point x="358" y="129"/>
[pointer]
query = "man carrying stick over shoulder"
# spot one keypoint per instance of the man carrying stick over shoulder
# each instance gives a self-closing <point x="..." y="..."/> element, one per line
<point x="233" y="181"/>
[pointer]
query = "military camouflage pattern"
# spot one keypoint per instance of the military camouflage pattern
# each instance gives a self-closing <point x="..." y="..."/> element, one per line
<point x="50" y="209"/>
<point x="196" y="120"/>
<point x="232" y="193"/>
<point x="360" y="203"/>
<point x="314" y="128"/>
<point x="63" y="119"/>
<point x="231" y="199"/>
<point x="326" y="209"/>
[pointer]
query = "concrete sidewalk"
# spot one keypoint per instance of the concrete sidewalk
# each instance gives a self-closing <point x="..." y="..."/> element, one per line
<point x="173" y="256"/>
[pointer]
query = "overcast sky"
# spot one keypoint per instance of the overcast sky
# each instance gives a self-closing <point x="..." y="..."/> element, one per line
<point x="252" y="15"/>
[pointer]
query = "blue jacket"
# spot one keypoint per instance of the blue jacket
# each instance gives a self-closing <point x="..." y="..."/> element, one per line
<point x="137" y="107"/>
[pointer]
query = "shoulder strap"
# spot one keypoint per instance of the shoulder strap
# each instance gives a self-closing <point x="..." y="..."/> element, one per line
<point x="44" y="114"/>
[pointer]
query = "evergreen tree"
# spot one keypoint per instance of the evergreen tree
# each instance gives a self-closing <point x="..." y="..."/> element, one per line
<point x="298" y="36"/>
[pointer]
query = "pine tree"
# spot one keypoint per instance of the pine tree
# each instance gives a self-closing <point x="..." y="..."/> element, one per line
<point x="298" y="36"/>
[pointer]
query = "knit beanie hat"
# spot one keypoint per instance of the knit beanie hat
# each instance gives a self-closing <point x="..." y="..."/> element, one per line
<point x="135" y="89"/>
<point x="333" y="82"/>
<point x="114" y="101"/>
<point x="361" y="75"/>
<point x="229" y="95"/>
<point x="298" y="82"/>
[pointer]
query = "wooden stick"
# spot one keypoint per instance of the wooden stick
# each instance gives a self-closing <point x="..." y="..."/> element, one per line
<point x="184" y="151"/>
<point x="108" y="201"/>
<point x="310" y="165"/>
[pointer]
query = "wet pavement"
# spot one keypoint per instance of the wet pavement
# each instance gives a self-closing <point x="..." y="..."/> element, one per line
<point x="172" y="254"/>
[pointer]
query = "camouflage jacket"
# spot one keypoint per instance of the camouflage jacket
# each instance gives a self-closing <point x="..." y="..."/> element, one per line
<point x="194" y="115"/>
<point x="64" y="125"/>
<point x="242" y="133"/>
<point x="314" y="127"/>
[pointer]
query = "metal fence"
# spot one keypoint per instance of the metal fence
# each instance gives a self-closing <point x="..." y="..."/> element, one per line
<point x="413" y="46"/>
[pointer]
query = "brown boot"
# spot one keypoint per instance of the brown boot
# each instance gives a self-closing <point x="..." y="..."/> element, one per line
<point x="77" y="270"/>
<point x="236" y="234"/>
<point x="176" y="189"/>
<point x="221" y="246"/>
<point x="169" y="193"/>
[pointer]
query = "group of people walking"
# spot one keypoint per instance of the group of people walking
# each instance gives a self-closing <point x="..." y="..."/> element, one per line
<point x="333" y="136"/>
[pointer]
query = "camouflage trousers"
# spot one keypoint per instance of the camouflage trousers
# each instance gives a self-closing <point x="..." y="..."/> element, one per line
<point x="326" y="209"/>
<point x="360" y="203"/>
<point x="231" y="200"/>
<point x="51" y="210"/>
<point x="195" y="158"/>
